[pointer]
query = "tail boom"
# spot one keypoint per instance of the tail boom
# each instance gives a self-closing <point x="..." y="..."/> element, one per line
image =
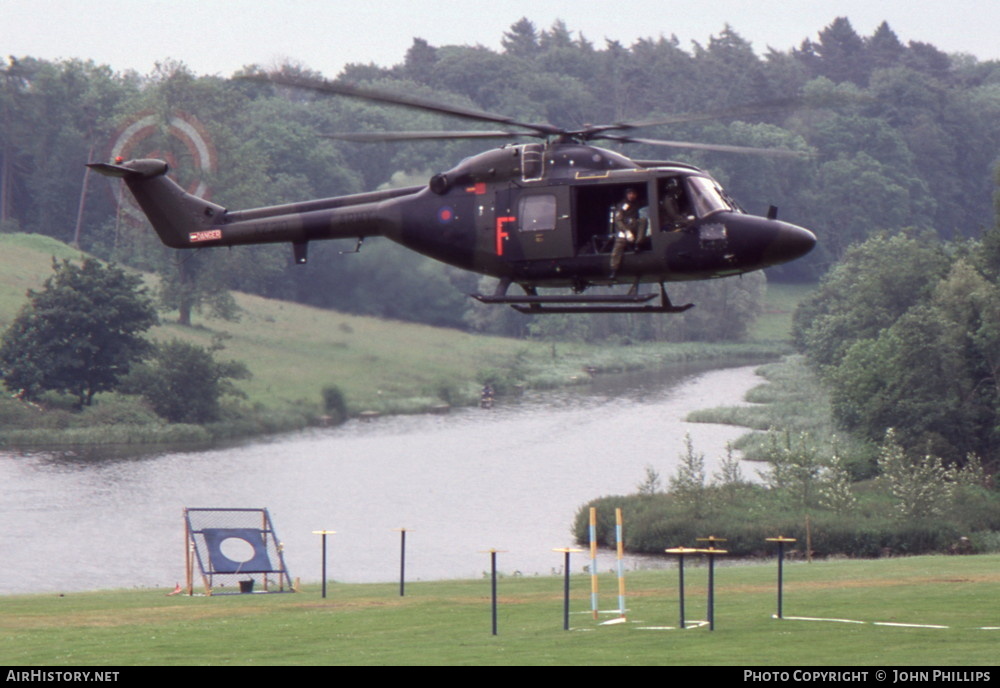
<point x="183" y="220"/>
<point x="175" y="214"/>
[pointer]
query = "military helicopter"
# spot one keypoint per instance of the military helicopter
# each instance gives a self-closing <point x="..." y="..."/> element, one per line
<point x="537" y="214"/>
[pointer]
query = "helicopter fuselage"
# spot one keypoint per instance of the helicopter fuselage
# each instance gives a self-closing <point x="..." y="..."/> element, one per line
<point x="554" y="227"/>
<point x="538" y="215"/>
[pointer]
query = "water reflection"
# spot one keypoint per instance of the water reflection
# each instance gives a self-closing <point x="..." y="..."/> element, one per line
<point x="511" y="478"/>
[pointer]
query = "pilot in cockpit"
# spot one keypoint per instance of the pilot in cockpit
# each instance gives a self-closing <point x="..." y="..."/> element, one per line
<point x="674" y="206"/>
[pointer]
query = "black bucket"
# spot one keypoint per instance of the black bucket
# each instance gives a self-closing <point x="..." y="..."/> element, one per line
<point x="246" y="585"/>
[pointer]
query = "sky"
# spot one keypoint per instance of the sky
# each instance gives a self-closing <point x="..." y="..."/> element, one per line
<point x="221" y="36"/>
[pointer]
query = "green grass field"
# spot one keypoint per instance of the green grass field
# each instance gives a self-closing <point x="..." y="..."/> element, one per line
<point x="449" y="622"/>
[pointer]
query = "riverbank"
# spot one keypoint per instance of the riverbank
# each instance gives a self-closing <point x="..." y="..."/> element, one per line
<point x="415" y="378"/>
<point x="509" y="478"/>
<point x="298" y="354"/>
<point x="295" y="353"/>
<point x="823" y="488"/>
<point x="116" y="419"/>
<point x="930" y="609"/>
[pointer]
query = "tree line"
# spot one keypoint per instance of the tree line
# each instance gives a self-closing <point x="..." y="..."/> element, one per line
<point x="899" y="135"/>
<point x="905" y="332"/>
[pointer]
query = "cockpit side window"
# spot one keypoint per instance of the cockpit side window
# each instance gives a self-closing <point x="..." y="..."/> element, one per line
<point x="706" y="197"/>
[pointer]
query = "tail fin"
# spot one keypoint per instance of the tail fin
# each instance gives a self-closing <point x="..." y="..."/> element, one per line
<point x="174" y="213"/>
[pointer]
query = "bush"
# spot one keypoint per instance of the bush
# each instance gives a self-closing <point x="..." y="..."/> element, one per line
<point x="119" y="409"/>
<point x="185" y="384"/>
<point x="335" y="403"/>
<point x="655" y="522"/>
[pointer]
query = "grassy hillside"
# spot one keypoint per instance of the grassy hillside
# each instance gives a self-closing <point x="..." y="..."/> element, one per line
<point x="295" y="351"/>
<point x="292" y="350"/>
<point x="901" y="612"/>
<point x="25" y="263"/>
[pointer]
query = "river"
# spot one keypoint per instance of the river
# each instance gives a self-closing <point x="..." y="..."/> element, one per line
<point x="511" y="478"/>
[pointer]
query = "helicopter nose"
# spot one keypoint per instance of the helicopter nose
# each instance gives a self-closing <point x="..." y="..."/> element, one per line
<point x="791" y="242"/>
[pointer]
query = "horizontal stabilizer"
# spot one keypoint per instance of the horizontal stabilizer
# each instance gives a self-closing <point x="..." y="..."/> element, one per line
<point x="109" y="170"/>
<point x="134" y="169"/>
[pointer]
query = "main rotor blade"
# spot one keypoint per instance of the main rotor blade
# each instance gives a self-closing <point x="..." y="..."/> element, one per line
<point x="762" y="108"/>
<point x="376" y="137"/>
<point x="354" y="91"/>
<point x="724" y="148"/>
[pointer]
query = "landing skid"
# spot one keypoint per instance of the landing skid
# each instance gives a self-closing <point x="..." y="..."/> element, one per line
<point x="582" y="303"/>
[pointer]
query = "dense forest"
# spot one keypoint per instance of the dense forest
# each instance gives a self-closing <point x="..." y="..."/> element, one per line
<point x="900" y="136"/>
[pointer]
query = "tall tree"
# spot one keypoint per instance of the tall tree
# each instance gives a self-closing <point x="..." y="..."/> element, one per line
<point x="860" y="296"/>
<point x="924" y="57"/>
<point x="420" y="61"/>
<point x="729" y="71"/>
<point x="522" y="39"/>
<point x="79" y="335"/>
<point x="556" y="38"/>
<point x="842" y="52"/>
<point x="884" y="48"/>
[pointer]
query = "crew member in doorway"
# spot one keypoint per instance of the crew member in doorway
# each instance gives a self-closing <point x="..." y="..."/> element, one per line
<point x="628" y="227"/>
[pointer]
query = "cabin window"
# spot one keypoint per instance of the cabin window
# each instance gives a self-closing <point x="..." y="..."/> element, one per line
<point x="537" y="213"/>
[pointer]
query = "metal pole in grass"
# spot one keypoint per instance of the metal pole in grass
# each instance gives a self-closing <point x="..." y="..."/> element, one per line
<point x="566" y="552"/>
<point x="493" y="584"/>
<point x="679" y="552"/>
<point x="402" y="561"/>
<point x="324" y="533"/>
<point x="781" y="540"/>
<point x="711" y="552"/>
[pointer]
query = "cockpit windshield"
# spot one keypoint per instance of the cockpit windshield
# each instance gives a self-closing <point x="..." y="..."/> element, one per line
<point x="707" y="196"/>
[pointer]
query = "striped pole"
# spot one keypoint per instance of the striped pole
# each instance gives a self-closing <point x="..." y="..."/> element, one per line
<point x="593" y="560"/>
<point x="621" y="563"/>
